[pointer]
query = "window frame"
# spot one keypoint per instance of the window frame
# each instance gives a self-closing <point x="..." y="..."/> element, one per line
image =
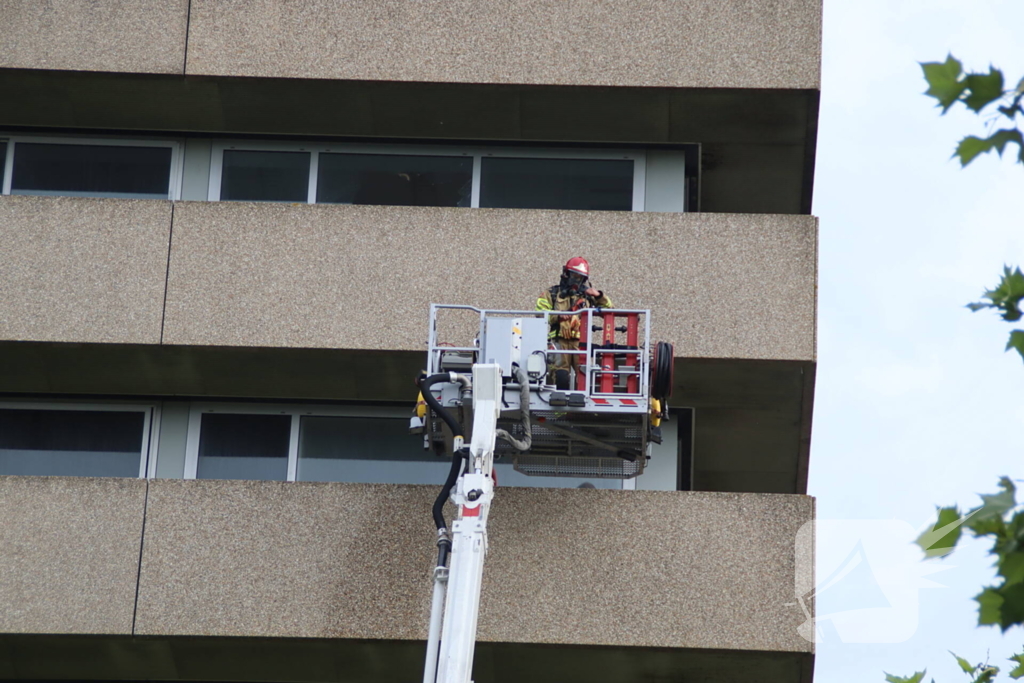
<point x="637" y="156"/>
<point x="174" y="179"/>
<point x="296" y="411"/>
<point x="150" y="424"/>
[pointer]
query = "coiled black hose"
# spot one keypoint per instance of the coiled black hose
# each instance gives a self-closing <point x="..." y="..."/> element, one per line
<point x="661" y="386"/>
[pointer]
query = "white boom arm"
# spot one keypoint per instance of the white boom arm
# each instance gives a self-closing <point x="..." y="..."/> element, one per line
<point x="472" y="494"/>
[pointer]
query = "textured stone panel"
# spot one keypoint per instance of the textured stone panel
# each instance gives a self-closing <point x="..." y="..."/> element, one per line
<point x="362" y="277"/>
<point x="69" y="554"/>
<point x="628" y="568"/>
<point x="644" y="568"/>
<point x="138" y="36"/>
<point x="281" y="559"/>
<point x="83" y="270"/>
<point x="673" y="43"/>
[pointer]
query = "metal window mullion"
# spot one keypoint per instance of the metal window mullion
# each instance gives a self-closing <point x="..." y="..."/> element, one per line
<point x="216" y="171"/>
<point x="148" y="466"/>
<point x="314" y="172"/>
<point x="474" y="199"/>
<point x="8" y="166"/>
<point x="177" y="170"/>
<point x="195" y="417"/>
<point x="639" y="182"/>
<point x="147" y="423"/>
<point x="293" y="448"/>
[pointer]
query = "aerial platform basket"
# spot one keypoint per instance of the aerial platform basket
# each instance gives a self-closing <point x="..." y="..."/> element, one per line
<point x="600" y="427"/>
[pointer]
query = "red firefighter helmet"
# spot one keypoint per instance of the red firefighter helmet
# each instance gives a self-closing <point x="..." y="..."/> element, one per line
<point x="578" y="265"/>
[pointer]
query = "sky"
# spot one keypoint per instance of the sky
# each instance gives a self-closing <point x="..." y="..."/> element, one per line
<point x="916" y="403"/>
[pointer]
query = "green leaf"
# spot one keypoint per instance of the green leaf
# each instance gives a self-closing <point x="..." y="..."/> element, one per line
<point x="965" y="666"/>
<point x="1006" y="296"/>
<point x="994" y="505"/>
<point x="1008" y="293"/>
<point x="986" y="675"/>
<point x="971" y="146"/>
<point x="1011" y="111"/>
<point x="990" y="605"/>
<point x="916" y="678"/>
<point x="940" y="540"/>
<point x="1012" y="609"/>
<point x="1001" y="137"/>
<point x="1018" y="672"/>
<point x="993" y="526"/>
<point x="1016" y="342"/>
<point x="1015" y="527"/>
<point x="1011" y="568"/>
<point x="944" y="81"/>
<point x="984" y="88"/>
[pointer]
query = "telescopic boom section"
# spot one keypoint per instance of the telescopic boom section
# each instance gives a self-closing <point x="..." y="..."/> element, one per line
<point x="473" y="493"/>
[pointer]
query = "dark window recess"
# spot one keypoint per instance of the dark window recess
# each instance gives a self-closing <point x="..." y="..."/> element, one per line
<point x="91" y="170"/>
<point x="684" y="426"/>
<point x="363" y="450"/>
<point x="397" y="180"/>
<point x="89" y="443"/>
<point x="3" y="161"/>
<point x="265" y="176"/>
<point x="594" y="184"/>
<point x="244" y="446"/>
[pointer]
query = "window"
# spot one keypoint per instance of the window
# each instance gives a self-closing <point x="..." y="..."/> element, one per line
<point x="367" y="450"/>
<point x="85" y="167"/>
<point x="394" y="179"/>
<point x="239" y="446"/>
<point x="523" y="183"/>
<point x="353" y="444"/>
<point x="265" y="176"/>
<point x="430" y="175"/>
<point x="74" y="440"/>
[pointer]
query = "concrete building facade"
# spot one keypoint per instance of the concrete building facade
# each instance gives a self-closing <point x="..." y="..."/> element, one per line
<point x="223" y="222"/>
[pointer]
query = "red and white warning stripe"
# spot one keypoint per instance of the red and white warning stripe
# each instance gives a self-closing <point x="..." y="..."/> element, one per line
<point x="613" y="402"/>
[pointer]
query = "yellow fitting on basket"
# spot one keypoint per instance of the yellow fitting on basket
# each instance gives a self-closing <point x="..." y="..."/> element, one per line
<point x="655" y="412"/>
<point x="421" y="406"/>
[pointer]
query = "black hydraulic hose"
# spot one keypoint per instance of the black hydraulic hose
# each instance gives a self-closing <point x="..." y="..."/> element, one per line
<point x="444" y="542"/>
<point x="446" y="490"/>
<point x="425" y="383"/>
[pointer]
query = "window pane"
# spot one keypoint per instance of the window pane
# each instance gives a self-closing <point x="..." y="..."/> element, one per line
<point x="71" y="443"/>
<point x="595" y="184"/>
<point x="3" y="161"/>
<point x="244" y="446"/>
<point x="265" y="176"/>
<point x="91" y="170"/>
<point x="400" y="180"/>
<point x="365" y="450"/>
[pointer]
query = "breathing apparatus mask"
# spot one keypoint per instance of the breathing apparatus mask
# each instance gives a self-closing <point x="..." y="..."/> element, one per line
<point x="573" y="283"/>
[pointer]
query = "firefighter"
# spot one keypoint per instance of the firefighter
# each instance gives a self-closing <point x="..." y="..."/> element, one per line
<point x="573" y="293"/>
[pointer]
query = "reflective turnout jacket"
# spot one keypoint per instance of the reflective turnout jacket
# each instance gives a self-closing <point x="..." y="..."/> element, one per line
<point x="567" y="326"/>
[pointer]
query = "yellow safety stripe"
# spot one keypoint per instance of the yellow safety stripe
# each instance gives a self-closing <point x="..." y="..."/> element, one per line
<point x="543" y="304"/>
